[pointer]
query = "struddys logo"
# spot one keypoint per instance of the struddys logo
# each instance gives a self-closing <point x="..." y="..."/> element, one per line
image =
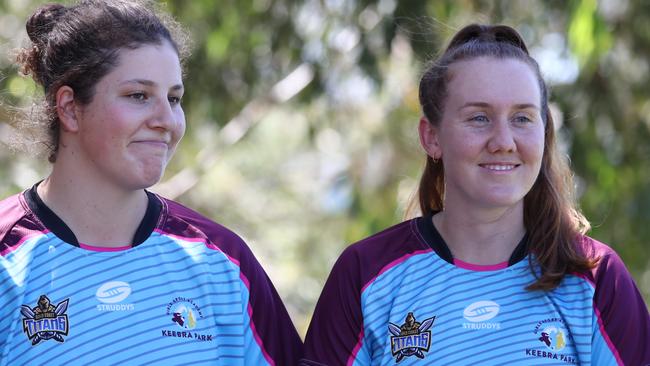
<point x="45" y="321"/>
<point x="186" y="314"/>
<point x="553" y="335"/>
<point x="411" y="338"/>
<point x="112" y="295"/>
<point x="479" y="313"/>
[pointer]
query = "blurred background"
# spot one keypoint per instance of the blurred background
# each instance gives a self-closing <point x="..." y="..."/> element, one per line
<point x="302" y="118"/>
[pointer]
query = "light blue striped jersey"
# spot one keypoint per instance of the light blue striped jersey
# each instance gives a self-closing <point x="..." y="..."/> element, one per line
<point x="394" y="299"/>
<point x="190" y="293"/>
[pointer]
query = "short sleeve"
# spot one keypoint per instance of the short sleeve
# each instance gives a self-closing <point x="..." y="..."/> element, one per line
<point x="336" y="330"/>
<point x="621" y="333"/>
<point x="269" y="325"/>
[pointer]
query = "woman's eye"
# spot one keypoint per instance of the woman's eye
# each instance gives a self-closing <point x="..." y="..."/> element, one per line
<point x="174" y="100"/>
<point x="522" y="119"/>
<point x="139" y="96"/>
<point x="479" y="118"/>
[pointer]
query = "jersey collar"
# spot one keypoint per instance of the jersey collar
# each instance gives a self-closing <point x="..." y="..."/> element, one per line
<point x="437" y="243"/>
<point x="59" y="228"/>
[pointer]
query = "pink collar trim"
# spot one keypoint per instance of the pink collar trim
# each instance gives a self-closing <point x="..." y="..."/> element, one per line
<point x="103" y="249"/>
<point x="480" y="267"/>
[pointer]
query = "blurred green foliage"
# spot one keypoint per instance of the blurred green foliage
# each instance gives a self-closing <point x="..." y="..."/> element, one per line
<point x="302" y="118"/>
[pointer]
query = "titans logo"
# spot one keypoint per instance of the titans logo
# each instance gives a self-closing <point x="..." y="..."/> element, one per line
<point x="410" y="339"/>
<point x="45" y="321"/>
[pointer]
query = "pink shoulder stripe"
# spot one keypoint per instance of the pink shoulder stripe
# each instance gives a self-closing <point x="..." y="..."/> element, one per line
<point x="609" y="342"/>
<point x="257" y="337"/>
<point x="601" y="326"/>
<point x="185" y="238"/>
<point x="242" y="277"/>
<point x="393" y="264"/>
<point x="22" y="241"/>
<point x="256" y="334"/>
<point x="207" y="243"/>
<point x="387" y="267"/>
<point x="356" y="350"/>
<point x="584" y="277"/>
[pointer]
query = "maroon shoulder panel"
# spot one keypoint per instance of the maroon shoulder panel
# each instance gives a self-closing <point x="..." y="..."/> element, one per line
<point x="16" y="224"/>
<point x="337" y="324"/>
<point x="619" y="305"/>
<point x="269" y="316"/>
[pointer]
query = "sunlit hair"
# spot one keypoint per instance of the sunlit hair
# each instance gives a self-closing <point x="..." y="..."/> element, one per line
<point x="77" y="45"/>
<point x="552" y="220"/>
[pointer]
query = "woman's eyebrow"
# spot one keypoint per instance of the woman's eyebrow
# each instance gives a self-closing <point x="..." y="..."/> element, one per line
<point x="147" y="82"/>
<point x="487" y="105"/>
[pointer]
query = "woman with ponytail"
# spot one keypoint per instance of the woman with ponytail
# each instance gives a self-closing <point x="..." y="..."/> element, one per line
<point x="497" y="269"/>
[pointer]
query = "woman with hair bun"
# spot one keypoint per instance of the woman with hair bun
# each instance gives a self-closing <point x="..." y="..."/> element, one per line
<point x="498" y="269"/>
<point x="95" y="269"/>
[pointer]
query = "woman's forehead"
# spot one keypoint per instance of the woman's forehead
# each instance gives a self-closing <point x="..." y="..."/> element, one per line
<point x="151" y="63"/>
<point x="493" y="80"/>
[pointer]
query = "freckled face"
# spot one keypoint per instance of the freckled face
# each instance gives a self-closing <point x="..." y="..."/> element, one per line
<point x="491" y="136"/>
<point x="130" y="129"/>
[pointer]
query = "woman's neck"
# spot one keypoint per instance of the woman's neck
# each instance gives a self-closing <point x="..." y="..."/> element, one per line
<point x="483" y="238"/>
<point x="96" y="212"/>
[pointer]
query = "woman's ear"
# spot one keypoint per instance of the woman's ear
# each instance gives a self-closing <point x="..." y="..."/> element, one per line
<point x="66" y="109"/>
<point x="429" y="138"/>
